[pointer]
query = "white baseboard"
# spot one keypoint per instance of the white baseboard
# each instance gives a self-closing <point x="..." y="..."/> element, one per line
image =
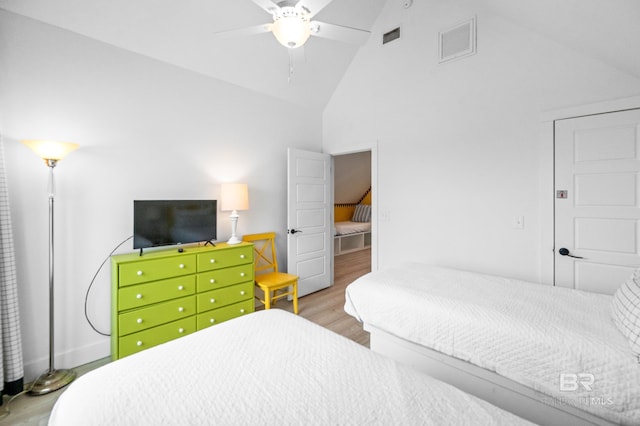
<point x="71" y="359"/>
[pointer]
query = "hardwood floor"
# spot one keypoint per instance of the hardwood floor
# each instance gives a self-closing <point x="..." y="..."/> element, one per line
<point x="324" y="307"/>
<point x="28" y="410"/>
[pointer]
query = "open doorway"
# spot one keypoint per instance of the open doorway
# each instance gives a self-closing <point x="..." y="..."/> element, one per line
<point x="352" y="223"/>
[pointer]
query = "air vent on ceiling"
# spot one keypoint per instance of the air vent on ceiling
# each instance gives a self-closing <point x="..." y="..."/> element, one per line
<point x="391" y="35"/>
<point x="457" y="41"/>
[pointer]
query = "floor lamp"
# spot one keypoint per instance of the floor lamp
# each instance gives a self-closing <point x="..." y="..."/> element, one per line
<point x="51" y="152"/>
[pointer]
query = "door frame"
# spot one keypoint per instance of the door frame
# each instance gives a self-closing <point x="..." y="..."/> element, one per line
<point x="373" y="148"/>
<point x="546" y="159"/>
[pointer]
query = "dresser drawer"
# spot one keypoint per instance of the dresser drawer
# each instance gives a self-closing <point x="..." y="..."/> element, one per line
<point x="136" y="296"/>
<point x="145" y="339"/>
<point x="224" y="277"/>
<point x="156" y="269"/>
<point x="160" y="313"/>
<point x="224" y="296"/>
<point x="225" y="258"/>
<point x="219" y="315"/>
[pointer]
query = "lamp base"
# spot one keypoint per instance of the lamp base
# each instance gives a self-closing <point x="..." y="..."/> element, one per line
<point x="51" y="381"/>
<point x="234" y="240"/>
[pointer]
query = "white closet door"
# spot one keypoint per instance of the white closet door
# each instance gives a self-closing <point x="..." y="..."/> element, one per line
<point x="597" y="208"/>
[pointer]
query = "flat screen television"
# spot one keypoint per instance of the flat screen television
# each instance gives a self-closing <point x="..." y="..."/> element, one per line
<point x="172" y="222"/>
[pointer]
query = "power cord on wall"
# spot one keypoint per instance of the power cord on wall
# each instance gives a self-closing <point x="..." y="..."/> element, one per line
<point x="86" y="297"/>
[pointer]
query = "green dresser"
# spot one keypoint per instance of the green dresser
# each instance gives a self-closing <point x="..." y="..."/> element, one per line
<point x="163" y="295"/>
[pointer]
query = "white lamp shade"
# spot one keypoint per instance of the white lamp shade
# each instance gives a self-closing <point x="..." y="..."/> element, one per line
<point x="291" y="31"/>
<point x="234" y="196"/>
<point x="50" y="150"/>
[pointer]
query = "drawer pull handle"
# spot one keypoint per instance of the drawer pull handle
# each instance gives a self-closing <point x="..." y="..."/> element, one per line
<point x="138" y="296"/>
<point x="212" y="300"/>
<point x="180" y="309"/>
<point x="180" y="287"/>
<point x="242" y="293"/>
<point x="139" y="343"/>
<point x="242" y="274"/>
<point x="212" y="281"/>
<point x="181" y="266"/>
<point x="212" y="320"/>
<point x="242" y="311"/>
<point x="139" y="273"/>
<point x="242" y="256"/>
<point x="181" y="330"/>
<point x="212" y="261"/>
<point x="139" y="320"/>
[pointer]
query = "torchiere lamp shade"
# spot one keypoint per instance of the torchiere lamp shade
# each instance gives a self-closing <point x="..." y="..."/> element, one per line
<point x="50" y="150"/>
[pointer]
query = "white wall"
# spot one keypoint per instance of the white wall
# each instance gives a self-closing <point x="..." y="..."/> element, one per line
<point x="459" y="152"/>
<point x="352" y="176"/>
<point x="147" y="130"/>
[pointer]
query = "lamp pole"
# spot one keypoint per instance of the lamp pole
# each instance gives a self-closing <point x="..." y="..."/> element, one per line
<point x="52" y="379"/>
<point x="51" y="164"/>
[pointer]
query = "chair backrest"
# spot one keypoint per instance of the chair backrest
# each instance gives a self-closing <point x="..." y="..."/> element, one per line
<point x="264" y="248"/>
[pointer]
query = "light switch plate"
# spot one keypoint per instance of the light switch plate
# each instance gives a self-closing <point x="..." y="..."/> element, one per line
<point x="518" y="222"/>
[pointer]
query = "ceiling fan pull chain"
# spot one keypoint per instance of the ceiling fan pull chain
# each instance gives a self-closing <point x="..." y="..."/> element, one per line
<point x="290" y="65"/>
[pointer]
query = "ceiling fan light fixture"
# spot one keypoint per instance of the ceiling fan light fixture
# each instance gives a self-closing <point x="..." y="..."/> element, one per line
<point x="291" y="28"/>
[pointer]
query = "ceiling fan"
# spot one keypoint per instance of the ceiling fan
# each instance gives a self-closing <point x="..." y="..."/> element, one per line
<point x="292" y="25"/>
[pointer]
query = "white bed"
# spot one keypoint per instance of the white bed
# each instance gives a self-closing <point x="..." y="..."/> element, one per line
<point x="351" y="236"/>
<point x="269" y="367"/>
<point x="349" y="227"/>
<point x="507" y="341"/>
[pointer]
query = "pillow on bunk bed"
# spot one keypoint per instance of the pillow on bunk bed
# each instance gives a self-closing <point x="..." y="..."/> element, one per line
<point x="362" y="213"/>
<point x="625" y="310"/>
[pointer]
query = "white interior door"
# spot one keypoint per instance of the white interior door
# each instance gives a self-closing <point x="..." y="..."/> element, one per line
<point x="597" y="209"/>
<point x="309" y="208"/>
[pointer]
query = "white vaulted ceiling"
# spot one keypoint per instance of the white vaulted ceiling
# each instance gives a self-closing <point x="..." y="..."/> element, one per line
<point x="183" y="33"/>
<point x="608" y="31"/>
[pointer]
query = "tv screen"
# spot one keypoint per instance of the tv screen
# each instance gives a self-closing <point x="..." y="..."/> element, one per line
<point x="171" y="222"/>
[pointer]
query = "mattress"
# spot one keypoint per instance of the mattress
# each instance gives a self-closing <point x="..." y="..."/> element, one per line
<point x="348" y="227"/>
<point x="269" y="367"/>
<point x="558" y="341"/>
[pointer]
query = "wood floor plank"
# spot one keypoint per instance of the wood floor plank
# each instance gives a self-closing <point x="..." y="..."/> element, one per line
<point x="326" y="307"/>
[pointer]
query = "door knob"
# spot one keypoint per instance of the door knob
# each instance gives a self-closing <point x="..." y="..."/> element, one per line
<point x="293" y="231"/>
<point x="565" y="252"/>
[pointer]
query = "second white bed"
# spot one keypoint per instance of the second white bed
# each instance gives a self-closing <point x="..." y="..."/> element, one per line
<point x="532" y="334"/>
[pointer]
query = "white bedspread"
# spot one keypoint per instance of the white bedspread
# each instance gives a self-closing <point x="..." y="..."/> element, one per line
<point x="269" y="367"/>
<point x="348" y="227"/>
<point x="527" y="332"/>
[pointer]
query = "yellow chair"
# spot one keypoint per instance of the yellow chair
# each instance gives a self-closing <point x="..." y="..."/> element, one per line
<point x="274" y="285"/>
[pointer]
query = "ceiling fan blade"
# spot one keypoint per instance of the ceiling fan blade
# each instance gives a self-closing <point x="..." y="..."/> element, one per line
<point x="313" y="6"/>
<point x="339" y="32"/>
<point x="248" y="31"/>
<point x="267" y="5"/>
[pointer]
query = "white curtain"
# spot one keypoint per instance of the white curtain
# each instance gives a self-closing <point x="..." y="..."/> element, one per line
<point x="11" y="367"/>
